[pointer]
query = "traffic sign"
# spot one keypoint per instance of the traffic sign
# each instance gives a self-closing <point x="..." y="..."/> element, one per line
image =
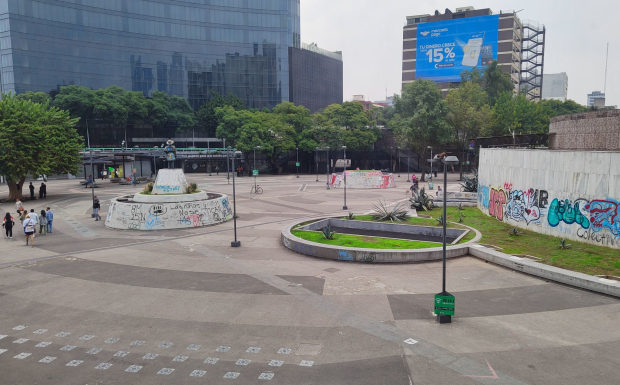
<point x="297" y="164"/>
<point x="254" y="172"/>
<point x="444" y="304"/>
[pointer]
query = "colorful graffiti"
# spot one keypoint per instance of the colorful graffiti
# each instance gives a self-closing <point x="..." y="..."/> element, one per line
<point x="604" y="215"/>
<point x="569" y="213"/>
<point x="483" y="195"/>
<point x="363" y="180"/>
<point x="524" y="206"/>
<point x="497" y="199"/>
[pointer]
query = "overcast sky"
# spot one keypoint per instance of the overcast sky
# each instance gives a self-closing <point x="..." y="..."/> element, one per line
<point x="369" y="32"/>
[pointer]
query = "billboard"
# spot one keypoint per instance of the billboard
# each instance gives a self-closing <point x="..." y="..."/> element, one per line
<point x="447" y="48"/>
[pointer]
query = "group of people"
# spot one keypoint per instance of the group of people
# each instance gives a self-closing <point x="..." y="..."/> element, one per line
<point x="415" y="186"/>
<point x="42" y="191"/>
<point x="29" y="221"/>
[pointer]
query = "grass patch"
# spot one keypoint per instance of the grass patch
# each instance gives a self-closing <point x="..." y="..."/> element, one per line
<point x="417" y="221"/>
<point x="361" y="241"/>
<point x="582" y="257"/>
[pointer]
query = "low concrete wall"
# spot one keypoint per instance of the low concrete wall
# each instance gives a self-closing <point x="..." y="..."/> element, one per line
<point x="319" y="250"/>
<point x="143" y="198"/>
<point x="129" y="215"/>
<point x="363" y="180"/>
<point x="565" y="194"/>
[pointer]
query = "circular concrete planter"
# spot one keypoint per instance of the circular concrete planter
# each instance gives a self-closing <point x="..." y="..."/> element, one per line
<point x="355" y="254"/>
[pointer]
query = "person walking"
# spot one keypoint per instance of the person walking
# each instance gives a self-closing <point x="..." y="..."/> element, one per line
<point x="31" y="187"/>
<point x="8" y="225"/>
<point x="49" y="215"/>
<point x="96" y="207"/>
<point x="217" y="170"/>
<point x="35" y="217"/>
<point x="43" y="191"/>
<point x="29" y="227"/>
<point x="43" y="223"/>
<point x="19" y="206"/>
<point x="22" y="215"/>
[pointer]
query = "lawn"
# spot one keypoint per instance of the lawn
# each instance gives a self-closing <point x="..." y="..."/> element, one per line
<point x="361" y="241"/>
<point x="582" y="257"/>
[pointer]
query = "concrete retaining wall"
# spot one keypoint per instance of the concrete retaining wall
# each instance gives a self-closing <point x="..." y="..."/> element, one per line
<point x="363" y="180"/>
<point x="566" y="194"/>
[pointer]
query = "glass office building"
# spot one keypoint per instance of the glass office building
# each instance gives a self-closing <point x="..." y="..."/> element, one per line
<point x="182" y="47"/>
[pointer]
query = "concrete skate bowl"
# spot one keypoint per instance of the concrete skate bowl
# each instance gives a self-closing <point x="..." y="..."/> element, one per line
<point x="363" y="180"/>
<point x="426" y="234"/>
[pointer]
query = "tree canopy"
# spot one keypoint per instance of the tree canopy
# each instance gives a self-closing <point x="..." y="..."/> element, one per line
<point x="207" y="116"/>
<point x="35" y="140"/>
<point x="493" y="81"/>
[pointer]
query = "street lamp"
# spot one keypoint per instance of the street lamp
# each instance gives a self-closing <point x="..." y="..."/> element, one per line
<point x="327" y="168"/>
<point x="344" y="149"/>
<point x="444" y="313"/>
<point x="317" y="164"/>
<point x="297" y="163"/>
<point x="431" y="174"/>
<point x="234" y="243"/>
<point x="398" y="161"/>
<point x="408" y="155"/>
<point x="255" y="171"/>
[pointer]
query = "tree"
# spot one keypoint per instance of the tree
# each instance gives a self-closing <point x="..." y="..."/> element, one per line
<point x="79" y="101"/>
<point x="35" y="97"/>
<point x="492" y="79"/>
<point x="420" y="117"/>
<point x="246" y="130"/>
<point x="559" y="108"/>
<point x="516" y="115"/>
<point x="208" y="118"/>
<point x="468" y="114"/>
<point x="37" y="140"/>
<point x="166" y="110"/>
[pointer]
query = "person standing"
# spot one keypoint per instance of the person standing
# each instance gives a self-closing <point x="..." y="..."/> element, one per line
<point x="217" y="170"/>
<point x="29" y="227"/>
<point x="19" y="206"/>
<point x="96" y="207"/>
<point x="43" y="223"/>
<point x="43" y="191"/>
<point x="22" y="216"/>
<point x="31" y="187"/>
<point x="49" y="215"/>
<point x="8" y="225"/>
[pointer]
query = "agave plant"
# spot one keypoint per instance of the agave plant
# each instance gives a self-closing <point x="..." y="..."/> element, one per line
<point x="460" y="207"/>
<point x="328" y="233"/>
<point x="564" y="245"/>
<point x="440" y="220"/>
<point x="383" y="213"/>
<point x="514" y="232"/>
<point x="351" y="215"/>
<point x="461" y="216"/>
<point x="470" y="184"/>
<point x="421" y="201"/>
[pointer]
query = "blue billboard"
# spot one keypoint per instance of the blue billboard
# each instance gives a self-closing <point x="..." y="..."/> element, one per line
<point x="447" y="48"/>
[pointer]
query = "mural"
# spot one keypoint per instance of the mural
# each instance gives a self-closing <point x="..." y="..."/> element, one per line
<point x="597" y="221"/>
<point x="363" y="180"/>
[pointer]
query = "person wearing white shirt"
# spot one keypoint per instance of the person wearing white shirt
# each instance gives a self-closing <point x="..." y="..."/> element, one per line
<point x="29" y="227"/>
<point x="34" y="216"/>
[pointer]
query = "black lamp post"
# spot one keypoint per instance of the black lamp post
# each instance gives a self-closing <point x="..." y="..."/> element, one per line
<point x="408" y="179"/>
<point x="344" y="149"/>
<point x="446" y="308"/>
<point x="234" y="243"/>
<point x="398" y="161"/>
<point x="317" y="164"/>
<point x="255" y="171"/>
<point x="327" y="168"/>
<point x="297" y="163"/>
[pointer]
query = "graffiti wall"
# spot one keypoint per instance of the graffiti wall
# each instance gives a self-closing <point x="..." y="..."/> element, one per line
<point x="567" y="194"/>
<point x="165" y="216"/>
<point x="363" y="180"/>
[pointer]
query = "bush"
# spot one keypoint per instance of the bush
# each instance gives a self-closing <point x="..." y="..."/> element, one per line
<point x="383" y="213"/>
<point x="148" y="189"/>
<point x="421" y="201"/>
<point x="470" y="184"/>
<point x="191" y="188"/>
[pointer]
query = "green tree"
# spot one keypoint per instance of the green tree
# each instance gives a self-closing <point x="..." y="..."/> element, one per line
<point x="516" y="115"/>
<point x="166" y="110"/>
<point x="493" y="80"/>
<point x="467" y="113"/>
<point x="559" y="108"/>
<point x="35" y="97"/>
<point x="207" y="116"/>
<point x="80" y="102"/>
<point x="420" y="117"/>
<point x="37" y="140"/>
<point x="246" y="129"/>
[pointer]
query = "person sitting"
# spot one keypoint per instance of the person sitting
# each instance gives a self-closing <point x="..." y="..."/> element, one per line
<point x="89" y="181"/>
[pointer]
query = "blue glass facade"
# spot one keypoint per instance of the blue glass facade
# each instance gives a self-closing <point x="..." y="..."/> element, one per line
<point x="182" y="47"/>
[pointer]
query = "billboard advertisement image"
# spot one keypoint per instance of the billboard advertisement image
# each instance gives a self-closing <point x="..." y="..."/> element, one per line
<point x="447" y="48"/>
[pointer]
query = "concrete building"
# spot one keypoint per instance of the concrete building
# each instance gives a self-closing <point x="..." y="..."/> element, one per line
<point x="185" y="48"/>
<point x="500" y="37"/>
<point x="367" y="104"/>
<point x="555" y="87"/>
<point x="596" y="98"/>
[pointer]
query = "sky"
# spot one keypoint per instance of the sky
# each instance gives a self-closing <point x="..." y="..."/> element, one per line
<point x="369" y="32"/>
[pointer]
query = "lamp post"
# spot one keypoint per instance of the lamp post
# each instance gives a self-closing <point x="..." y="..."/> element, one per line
<point x="408" y="155"/>
<point x="444" y="301"/>
<point x="297" y="162"/>
<point x="430" y="184"/>
<point x="398" y="161"/>
<point x="255" y="169"/>
<point x="227" y="167"/>
<point x="327" y="168"/>
<point x="344" y="149"/>
<point x="234" y="243"/>
<point x="317" y="164"/>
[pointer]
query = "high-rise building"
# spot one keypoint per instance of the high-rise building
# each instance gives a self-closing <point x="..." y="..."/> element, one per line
<point x="596" y="98"/>
<point x="555" y="87"/>
<point x="440" y="47"/>
<point x="185" y="47"/>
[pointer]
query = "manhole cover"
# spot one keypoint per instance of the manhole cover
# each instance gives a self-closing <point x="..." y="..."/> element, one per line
<point x="308" y="350"/>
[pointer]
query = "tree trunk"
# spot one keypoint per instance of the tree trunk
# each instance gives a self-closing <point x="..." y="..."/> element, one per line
<point x="15" y="189"/>
<point x="461" y="162"/>
<point x="424" y="166"/>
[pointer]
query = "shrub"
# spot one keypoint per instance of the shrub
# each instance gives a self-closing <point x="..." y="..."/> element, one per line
<point x="383" y="213"/>
<point x="328" y="233"/>
<point x="191" y="188"/>
<point x="351" y="216"/>
<point x="421" y="201"/>
<point x="148" y="189"/>
<point x="564" y="245"/>
<point x="470" y="184"/>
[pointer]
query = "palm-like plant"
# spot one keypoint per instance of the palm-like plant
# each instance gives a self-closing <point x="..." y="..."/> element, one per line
<point x="470" y="184"/>
<point x="514" y="232"/>
<point x="440" y="220"/>
<point x="351" y="215"/>
<point x="421" y="201"/>
<point x="564" y="245"/>
<point x="383" y="213"/>
<point x="328" y="233"/>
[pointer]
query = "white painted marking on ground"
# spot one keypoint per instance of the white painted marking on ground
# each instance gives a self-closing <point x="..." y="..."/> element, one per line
<point x="275" y="363"/>
<point x="87" y="337"/>
<point x="223" y="349"/>
<point x="133" y="369"/>
<point x="93" y="351"/>
<point x="306" y="363"/>
<point x="165" y="345"/>
<point x="284" y="351"/>
<point x="21" y="340"/>
<point x="150" y="356"/>
<point x="63" y="334"/>
<point x="253" y="350"/>
<point x="411" y="341"/>
<point x="39" y="331"/>
<point x="112" y="340"/>
<point x="266" y="376"/>
<point x="242" y="362"/>
<point x="198" y="373"/>
<point x="67" y="348"/>
<point x="180" y="358"/>
<point x="43" y="344"/>
<point x="20" y="327"/>
<point x="231" y="375"/>
<point x="193" y="347"/>
<point x="47" y="360"/>
<point x="3" y="350"/>
<point x="21" y="356"/>
<point x="211" y="360"/>
<point x="121" y="354"/>
<point x="166" y="371"/>
<point x="103" y="366"/>
<point x="3" y="336"/>
<point x="137" y="343"/>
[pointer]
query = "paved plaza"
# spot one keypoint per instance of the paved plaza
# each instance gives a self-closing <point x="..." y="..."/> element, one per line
<point x="91" y="305"/>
